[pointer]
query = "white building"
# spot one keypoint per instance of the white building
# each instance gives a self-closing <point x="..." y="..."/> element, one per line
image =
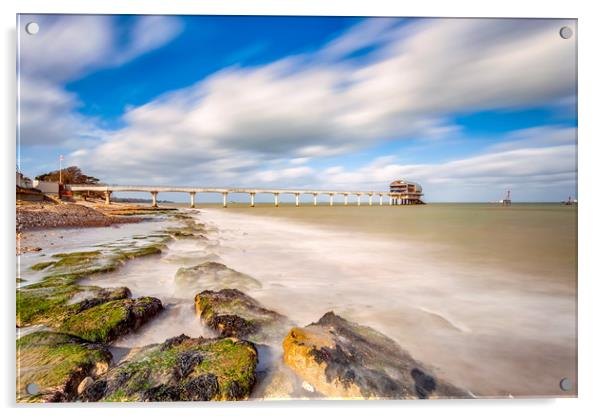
<point x="46" y="187"/>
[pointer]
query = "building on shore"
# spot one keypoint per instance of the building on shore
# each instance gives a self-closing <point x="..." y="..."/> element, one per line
<point x="405" y="192"/>
<point x="23" y="181"/>
<point x="51" y="188"/>
<point x="25" y="189"/>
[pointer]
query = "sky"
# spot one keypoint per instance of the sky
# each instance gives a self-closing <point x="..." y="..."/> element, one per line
<point x="466" y="107"/>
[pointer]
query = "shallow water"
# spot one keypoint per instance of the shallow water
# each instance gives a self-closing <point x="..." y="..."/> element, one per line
<point x="493" y="308"/>
<point x="487" y="296"/>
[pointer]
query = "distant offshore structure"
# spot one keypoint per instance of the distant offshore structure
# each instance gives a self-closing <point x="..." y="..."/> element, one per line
<point x="401" y="192"/>
<point x="507" y="200"/>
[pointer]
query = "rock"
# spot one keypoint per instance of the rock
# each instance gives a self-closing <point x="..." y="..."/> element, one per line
<point x="57" y="364"/>
<point x="181" y="369"/>
<point x="215" y="276"/>
<point x="95" y="296"/>
<point x="51" y="301"/>
<point x="106" y="322"/>
<point x="232" y="313"/>
<point x="345" y="360"/>
<point x="43" y="303"/>
<point x="190" y="229"/>
<point x="86" y="382"/>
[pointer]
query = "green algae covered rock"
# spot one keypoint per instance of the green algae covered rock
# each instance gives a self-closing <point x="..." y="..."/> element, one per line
<point x="232" y="313"/>
<point x="43" y="265"/>
<point x="38" y="304"/>
<point x="52" y="298"/>
<point x="189" y="229"/>
<point x="180" y="369"/>
<point x="56" y="364"/>
<point x="47" y="303"/>
<point x="109" y="320"/>
<point x="214" y="276"/>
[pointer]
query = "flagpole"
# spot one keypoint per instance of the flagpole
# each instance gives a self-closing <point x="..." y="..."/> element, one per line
<point x="60" y="169"/>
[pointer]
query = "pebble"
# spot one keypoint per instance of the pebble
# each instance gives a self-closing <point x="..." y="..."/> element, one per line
<point x="308" y="387"/>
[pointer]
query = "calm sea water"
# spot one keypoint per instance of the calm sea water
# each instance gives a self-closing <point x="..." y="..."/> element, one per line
<point x="537" y="238"/>
<point x="485" y="294"/>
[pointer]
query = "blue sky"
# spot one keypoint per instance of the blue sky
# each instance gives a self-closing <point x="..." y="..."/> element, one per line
<point x="466" y="107"/>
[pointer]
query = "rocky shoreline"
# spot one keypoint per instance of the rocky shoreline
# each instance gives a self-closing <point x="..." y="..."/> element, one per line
<point x="69" y="357"/>
<point x="50" y="215"/>
<point x="46" y="215"/>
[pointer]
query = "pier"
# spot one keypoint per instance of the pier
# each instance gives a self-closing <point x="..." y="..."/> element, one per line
<point x="394" y="198"/>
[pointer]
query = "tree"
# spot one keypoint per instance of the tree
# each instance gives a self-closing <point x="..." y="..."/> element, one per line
<point x="70" y="175"/>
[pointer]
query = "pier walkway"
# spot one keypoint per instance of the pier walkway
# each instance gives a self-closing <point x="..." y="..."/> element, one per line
<point x="393" y="198"/>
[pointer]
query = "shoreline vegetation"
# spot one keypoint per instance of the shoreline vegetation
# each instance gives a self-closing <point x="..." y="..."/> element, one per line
<point x="68" y="329"/>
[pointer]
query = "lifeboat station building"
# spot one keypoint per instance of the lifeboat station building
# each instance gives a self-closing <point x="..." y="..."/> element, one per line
<point x="404" y="192"/>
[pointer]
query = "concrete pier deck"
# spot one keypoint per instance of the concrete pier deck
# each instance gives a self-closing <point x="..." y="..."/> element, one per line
<point x="394" y="199"/>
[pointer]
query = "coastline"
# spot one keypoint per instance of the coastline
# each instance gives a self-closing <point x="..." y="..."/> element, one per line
<point x="62" y="215"/>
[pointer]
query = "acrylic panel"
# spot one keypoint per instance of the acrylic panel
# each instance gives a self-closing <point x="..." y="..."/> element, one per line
<point x="295" y="207"/>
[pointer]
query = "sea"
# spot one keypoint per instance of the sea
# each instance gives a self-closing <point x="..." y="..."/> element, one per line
<point x="484" y="294"/>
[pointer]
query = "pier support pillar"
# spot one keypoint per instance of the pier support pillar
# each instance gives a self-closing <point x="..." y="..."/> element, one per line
<point x="359" y="200"/>
<point x="225" y="199"/>
<point x="346" y="199"/>
<point x="331" y="199"/>
<point x="381" y="200"/>
<point x="192" y="194"/>
<point x="154" y="196"/>
<point x="108" y="197"/>
<point x="276" y="200"/>
<point x="315" y="200"/>
<point x="252" y="199"/>
<point x="297" y="200"/>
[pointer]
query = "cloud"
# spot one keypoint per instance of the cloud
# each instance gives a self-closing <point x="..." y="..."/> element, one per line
<point x="67" y="47"/>
<point x="148" y="33"/>
<point x="64" y="47"/>
<point x="527" y="167"/>
<point x="328" y="103"/>
<point x="539" y="137"/>
<point x="367" y="34"/>
<point x="286" y="174"/>
<point x="385" y="79"/>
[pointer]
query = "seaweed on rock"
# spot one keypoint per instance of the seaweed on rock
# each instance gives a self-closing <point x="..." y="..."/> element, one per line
<point x="181" y="369"/>
<point x="56" y="364"/>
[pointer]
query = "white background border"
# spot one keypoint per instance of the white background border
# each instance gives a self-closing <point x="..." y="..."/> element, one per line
<point x="590" y="203"/>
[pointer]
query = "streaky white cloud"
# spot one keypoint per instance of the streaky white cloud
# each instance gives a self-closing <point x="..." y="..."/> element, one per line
<point x="67" y="47"/>
<point x="527" y="167"/>
<point x="148" y="33"/>
<point x="369" y="33"/>
<point x="266" y="124"/>
<point x="47" y="114"/>
<point x="317" y="106"/>
<point x="539" y="137"/>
